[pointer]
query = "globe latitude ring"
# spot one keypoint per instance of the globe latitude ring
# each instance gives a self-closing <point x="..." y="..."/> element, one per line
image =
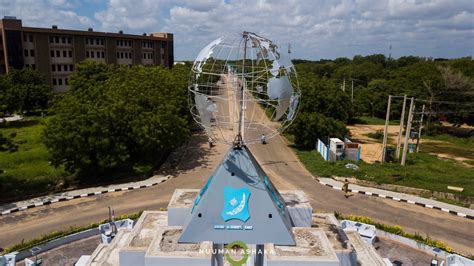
<point x="237" y="262"/>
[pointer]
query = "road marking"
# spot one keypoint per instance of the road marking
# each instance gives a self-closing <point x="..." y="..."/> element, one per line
<point x="48" y="202"/>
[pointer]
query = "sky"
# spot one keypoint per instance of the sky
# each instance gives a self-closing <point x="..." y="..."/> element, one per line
<point x="316" y="29"/>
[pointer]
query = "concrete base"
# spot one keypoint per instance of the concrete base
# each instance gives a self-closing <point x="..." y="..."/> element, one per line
<point x="298" y="206"/>
<point x="165" y="250"/>
<point x="312" y="248"/>
<point x="180" y="205"/>
<point x="133" y="253"/>
<point x="153" y="241"/>
<point x="296" y="202"/>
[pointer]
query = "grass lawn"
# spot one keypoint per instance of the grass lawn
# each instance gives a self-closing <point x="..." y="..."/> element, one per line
<point x="27" y="171"/>
<point x="422" y="171"/>
<point x="462" y="147"/>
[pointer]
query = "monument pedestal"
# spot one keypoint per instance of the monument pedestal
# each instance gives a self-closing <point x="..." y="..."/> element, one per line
<point x="154" y="240"/>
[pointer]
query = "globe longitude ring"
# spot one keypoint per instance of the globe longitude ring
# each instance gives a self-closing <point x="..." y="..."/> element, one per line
<point x="243" y="87"/>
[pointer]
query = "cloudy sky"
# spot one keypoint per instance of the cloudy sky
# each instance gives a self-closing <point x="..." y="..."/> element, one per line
<point x="315" y="28"/>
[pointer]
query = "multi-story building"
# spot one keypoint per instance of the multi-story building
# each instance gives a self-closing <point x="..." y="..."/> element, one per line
<point x="55" y="51"/>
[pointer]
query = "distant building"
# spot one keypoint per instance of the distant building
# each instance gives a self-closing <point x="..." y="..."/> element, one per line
<point x="55" y="51"/>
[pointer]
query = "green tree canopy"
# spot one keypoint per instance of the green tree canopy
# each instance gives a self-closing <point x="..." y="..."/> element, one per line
<point x="308" y="127"/>
<point x="24" y="90"/>
<point x="115" y="117"/>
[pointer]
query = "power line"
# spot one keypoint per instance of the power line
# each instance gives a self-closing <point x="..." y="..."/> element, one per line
<point x="443" y="102"/>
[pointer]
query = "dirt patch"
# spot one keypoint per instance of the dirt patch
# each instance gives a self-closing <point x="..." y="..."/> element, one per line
<point x="169" y="242"/>
<point x="371" y="149"/>
<point x="459" y="159"/>
<point x="187" y="197"/>
<point x="307" y="244"/>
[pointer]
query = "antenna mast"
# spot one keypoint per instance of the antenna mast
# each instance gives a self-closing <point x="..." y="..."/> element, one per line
<point x="239" y="141"/>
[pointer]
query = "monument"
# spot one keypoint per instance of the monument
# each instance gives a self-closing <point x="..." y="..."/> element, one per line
<point x="243" y="91"/>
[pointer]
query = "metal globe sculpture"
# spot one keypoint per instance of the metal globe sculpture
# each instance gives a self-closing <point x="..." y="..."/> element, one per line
<point x="242" y="87"/>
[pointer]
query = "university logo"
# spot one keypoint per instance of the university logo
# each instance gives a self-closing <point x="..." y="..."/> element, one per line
<point x="236" y="204"/>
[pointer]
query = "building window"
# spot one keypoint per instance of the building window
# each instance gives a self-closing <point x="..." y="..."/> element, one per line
<point x="64" y="53"/>
<point x="70" y="53"/>
<point x="51" y="53"/>
<point x="71" y="68"/>
<point x="69" y="39"/>
<point x="103" y="54"/>
<point x="98" y="54"/>
<point x="33" y="66"/>
<point x="56" y="39"/>
<point x="102" y="41"/>
<point x="87" y="54"/>
<point x="58" y="53"/>
<point x="60" y="81"/>
<point x="53" y="68"/>
<point x="27" y="37"/>
<point x="66" y="81"/>
<point x="32" y="53"/>
<point x="51" y="39"/>
<point x="26" y="52"/>
<point x="59" y="68"/>
<point x="64" y="39"/>
<point x="54" y="81"/>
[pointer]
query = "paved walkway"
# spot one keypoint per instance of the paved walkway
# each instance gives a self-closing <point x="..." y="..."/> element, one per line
<point x="402" y="197"/>
<point x="12" y="118"/>
<point x="79" y="193"/>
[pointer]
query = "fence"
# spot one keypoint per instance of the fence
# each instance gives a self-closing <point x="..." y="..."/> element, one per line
<point x="323" y="149"/>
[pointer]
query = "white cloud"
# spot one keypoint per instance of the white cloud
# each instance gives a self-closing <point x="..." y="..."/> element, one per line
<point x="41" y="13"/>
<point x="316" y="28"/>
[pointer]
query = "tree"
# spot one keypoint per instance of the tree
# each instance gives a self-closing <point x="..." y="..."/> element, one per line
<point x="121" y="117"/>
<point x="458" y="93"/>
<point x="308" y="127"/>
<point x="24" y="90"/>
<point x="323" y="96"/>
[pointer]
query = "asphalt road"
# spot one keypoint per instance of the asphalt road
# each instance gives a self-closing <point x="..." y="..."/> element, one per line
<point x="194" y="164"/>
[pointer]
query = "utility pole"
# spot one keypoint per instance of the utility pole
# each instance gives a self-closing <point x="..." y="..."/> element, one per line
<point x="400" y="131"/>
<point x="407" y="133"/>
<point x="385" y="131"/>
<point x="419" y="129"/>
<point x="352" y="91"/>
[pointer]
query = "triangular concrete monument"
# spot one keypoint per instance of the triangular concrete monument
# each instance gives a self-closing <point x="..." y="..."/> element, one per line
<point x="240" y="203"/>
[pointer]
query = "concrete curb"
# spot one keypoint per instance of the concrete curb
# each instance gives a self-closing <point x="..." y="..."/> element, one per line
<point x="84" y="195"/>
<point x="58" y="242"/>
<point x="397" y="199"/>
